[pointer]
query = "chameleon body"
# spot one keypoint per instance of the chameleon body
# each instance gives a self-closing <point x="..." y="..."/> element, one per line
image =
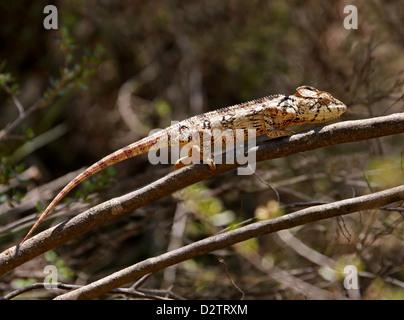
<point x="270" y="115"/>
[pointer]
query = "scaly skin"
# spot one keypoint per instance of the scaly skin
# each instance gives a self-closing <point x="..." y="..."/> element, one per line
<point x="269" y="115"/>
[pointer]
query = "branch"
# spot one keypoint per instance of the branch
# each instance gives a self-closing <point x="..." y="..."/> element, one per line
<point x="230" y="238"/>
<point x="132" y="292"/>
<point x="348" y="131"/>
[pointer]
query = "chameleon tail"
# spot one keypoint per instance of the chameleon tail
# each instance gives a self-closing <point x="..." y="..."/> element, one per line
<point x="129" y="151"/>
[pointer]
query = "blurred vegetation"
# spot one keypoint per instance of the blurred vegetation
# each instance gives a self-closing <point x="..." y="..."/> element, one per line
<point x="115" y="70"/>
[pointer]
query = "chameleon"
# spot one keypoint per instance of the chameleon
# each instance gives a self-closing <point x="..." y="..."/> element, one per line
<point x="271" y="115"/>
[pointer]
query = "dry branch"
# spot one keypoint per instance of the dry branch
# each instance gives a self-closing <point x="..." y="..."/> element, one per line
<point x="227" y="239"/>
<point x="338" y="133"/>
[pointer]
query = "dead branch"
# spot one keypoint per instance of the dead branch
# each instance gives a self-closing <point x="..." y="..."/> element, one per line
<point x="343" y="132"/>
<point x="230" y="238"/>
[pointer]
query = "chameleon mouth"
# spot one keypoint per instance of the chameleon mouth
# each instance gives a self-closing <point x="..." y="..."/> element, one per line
<point x="324" y="113"/>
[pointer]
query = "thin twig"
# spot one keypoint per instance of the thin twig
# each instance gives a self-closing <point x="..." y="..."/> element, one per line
<point x="65" y="286"/>
<point x="221" y="260"/>
<point x="15" y="99"/>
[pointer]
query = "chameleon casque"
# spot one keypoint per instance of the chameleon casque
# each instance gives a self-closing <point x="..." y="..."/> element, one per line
<point x="270" y="115"/>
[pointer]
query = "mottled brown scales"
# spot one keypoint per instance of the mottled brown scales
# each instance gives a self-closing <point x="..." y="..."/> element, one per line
<point x="269" y="115"/>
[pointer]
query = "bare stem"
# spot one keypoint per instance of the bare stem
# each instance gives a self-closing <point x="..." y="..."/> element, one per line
<point x="348" y="131"/>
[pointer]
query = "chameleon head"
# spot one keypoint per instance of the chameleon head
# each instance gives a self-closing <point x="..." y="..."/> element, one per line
<point x="316" y="106"/>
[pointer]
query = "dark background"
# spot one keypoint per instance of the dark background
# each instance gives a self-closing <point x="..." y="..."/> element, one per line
<point x="176" y="59"/>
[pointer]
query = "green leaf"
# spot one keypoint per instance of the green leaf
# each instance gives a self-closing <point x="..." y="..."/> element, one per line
<point x="39" y="206"/>
<point x="4" y="198"/>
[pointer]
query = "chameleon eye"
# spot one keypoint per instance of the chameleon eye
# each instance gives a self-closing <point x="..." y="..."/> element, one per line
<point x="324" y="98"/>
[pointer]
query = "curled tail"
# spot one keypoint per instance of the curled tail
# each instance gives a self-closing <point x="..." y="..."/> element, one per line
<point x="137" y="148"/>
